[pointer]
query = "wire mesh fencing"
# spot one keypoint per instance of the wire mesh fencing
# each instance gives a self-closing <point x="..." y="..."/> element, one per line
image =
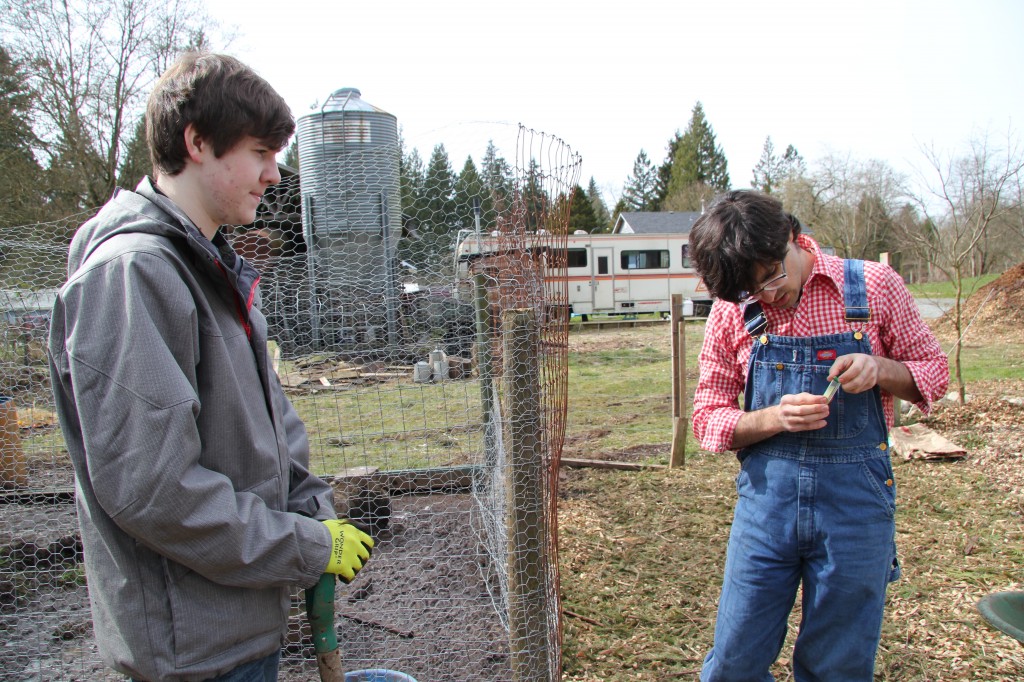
<point x="418" y="323"/>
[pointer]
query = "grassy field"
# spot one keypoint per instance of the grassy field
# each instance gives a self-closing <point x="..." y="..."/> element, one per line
<point x="948" y="289"/>
<point x="642" y="552"/>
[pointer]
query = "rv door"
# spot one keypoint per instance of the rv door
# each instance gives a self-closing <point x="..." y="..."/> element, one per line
<point x="603" y="281"/>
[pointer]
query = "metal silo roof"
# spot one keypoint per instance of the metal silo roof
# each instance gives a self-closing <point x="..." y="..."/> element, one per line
<point x="349" y="100"/>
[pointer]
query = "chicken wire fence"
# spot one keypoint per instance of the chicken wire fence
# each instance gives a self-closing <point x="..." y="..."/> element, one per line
<point x="420" y="329"/>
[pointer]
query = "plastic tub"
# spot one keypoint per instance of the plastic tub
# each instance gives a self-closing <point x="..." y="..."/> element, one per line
<point x="1005" y="611"/>
<point x="377" y="675"/>
<point x="421" y="372"/>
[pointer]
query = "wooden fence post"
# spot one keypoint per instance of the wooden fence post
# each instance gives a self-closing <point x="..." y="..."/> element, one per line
<point x="679" y="422"/>
<point x="526" y="524"/>
<point x="485" y="364"/>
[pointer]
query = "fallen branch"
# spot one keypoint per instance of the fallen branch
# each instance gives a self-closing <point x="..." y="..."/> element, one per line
<point x="573" y="614"/>
<point x="407" y="634"/>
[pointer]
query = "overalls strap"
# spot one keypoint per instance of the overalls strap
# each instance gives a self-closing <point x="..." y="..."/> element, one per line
<point x="855" y="293"/>
<point x="754" y="319"/>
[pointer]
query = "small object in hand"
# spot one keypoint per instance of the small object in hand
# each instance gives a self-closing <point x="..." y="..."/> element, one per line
<point x="833" y="387"/>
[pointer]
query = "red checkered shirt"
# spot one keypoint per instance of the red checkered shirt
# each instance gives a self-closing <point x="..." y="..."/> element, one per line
<point x="896" y="331"/>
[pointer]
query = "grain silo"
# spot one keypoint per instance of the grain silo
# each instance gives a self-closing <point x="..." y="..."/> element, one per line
<point x="351" y="213"/>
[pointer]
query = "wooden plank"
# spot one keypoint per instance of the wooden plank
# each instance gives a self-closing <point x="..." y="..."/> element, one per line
<point x="414" y="481"/>
<point x="293" y="380"/>
<point x="341" y="373"/>
<point x="38" y="496"/>
<point x="606" y="464"/>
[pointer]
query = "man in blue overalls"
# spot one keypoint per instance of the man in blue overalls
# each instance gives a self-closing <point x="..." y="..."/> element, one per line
<point x="816" y="491"/>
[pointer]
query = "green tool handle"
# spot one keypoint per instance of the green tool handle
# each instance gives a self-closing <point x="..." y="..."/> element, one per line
<point x="320" y="609"/>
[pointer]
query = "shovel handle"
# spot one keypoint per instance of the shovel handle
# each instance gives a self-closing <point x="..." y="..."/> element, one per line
<point x="320" y="609"/>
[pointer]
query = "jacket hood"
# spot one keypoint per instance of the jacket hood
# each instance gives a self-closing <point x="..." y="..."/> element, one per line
<point x="144" y="211"/>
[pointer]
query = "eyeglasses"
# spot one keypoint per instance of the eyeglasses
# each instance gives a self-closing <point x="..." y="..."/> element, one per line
<point x="772" y="284"/>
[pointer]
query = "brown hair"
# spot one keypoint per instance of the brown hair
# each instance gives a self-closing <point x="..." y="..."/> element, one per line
<point x="223" y="99"/>
<point x="741" y="230"/>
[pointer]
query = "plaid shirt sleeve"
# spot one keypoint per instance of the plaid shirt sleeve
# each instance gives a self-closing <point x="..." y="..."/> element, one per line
<point x="716" y="406"/>
<point x="906" y="338"/>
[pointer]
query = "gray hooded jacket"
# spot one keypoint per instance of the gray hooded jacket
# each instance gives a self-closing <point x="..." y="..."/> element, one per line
<point x="197" y="510"/>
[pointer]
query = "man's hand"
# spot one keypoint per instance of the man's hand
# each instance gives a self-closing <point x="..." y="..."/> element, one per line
<point x="857" y="372"/>
<point x="350" y="549"/>
<point x="795" y="412"/>
<point x="802" y="412"/>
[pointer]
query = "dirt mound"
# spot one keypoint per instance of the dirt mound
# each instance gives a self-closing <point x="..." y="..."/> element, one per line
<point x="996" y="310"/>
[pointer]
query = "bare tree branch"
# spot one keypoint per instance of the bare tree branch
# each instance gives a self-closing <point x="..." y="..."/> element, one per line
<point x="966" y="198"/>
<point x="93" y="63"/>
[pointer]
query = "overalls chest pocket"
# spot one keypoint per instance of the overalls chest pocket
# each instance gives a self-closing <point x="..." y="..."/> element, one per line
<point x="778" y="368"/>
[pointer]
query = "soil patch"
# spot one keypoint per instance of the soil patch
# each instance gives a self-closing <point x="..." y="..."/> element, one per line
<point x="422" y="605"/>
<point x="994" y="312"/>
<point x="590" y="341"/>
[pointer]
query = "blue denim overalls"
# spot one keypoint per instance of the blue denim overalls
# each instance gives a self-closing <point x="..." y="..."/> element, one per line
<point x="814" y="506"/>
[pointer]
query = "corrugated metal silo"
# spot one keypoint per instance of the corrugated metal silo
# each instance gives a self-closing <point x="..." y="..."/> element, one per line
<point x="351" y="211"/>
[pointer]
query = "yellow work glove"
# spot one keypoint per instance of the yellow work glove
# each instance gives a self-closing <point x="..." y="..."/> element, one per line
<point x="350" y="549"/>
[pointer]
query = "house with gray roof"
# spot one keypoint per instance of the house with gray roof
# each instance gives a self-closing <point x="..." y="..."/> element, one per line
<point x="655" y="222"/>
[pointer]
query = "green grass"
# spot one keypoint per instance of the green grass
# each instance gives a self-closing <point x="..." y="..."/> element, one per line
<point x="392" y="426"/>
<point x="948" y="289"/>
<point x="991" y="362"/>
<point x="621" y="398"/>
<point x="640" y="386"/>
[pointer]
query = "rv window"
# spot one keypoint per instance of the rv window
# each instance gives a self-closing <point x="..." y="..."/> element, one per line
<point x="602" y="265"/>
<point x="686" y="256"/>
<point x="645" y="260"/>
<point x="577" y="258"/>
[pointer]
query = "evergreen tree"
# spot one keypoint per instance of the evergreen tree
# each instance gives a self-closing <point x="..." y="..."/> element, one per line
<point x="873" y="211"/>
<point x="665" y="170"/>
<point x="291" y="155"/>
<point x="535" y="199"/>
<point x="411" y="177"/>
<point x="436" y="205"/>
<point x="766" y="169"/>
<point x="469" y="188"/>
<point x="793" y="165"/>
<point x="601" y="215"/>
<point x="699" y="167"/>
<point x="620" y="208"/>
<point x="21" y="200"/>
<point x="771" y="171"/>
<point x="581" y="212"/>
<point x="640" y="191"/>
<point x="497" y="178"/>
<point x="136" y="162"/>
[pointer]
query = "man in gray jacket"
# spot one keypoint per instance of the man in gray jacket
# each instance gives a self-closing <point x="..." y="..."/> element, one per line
<point x="197" y="509"/>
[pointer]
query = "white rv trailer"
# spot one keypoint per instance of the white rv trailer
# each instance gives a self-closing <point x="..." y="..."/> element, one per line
<point x="613" y="274"/>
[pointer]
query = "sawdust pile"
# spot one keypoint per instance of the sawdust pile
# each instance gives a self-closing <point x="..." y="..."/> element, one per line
<point x="995" y="311"/>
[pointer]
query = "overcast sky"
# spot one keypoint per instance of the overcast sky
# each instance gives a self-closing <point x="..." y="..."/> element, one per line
<point x="873" y="79"/>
